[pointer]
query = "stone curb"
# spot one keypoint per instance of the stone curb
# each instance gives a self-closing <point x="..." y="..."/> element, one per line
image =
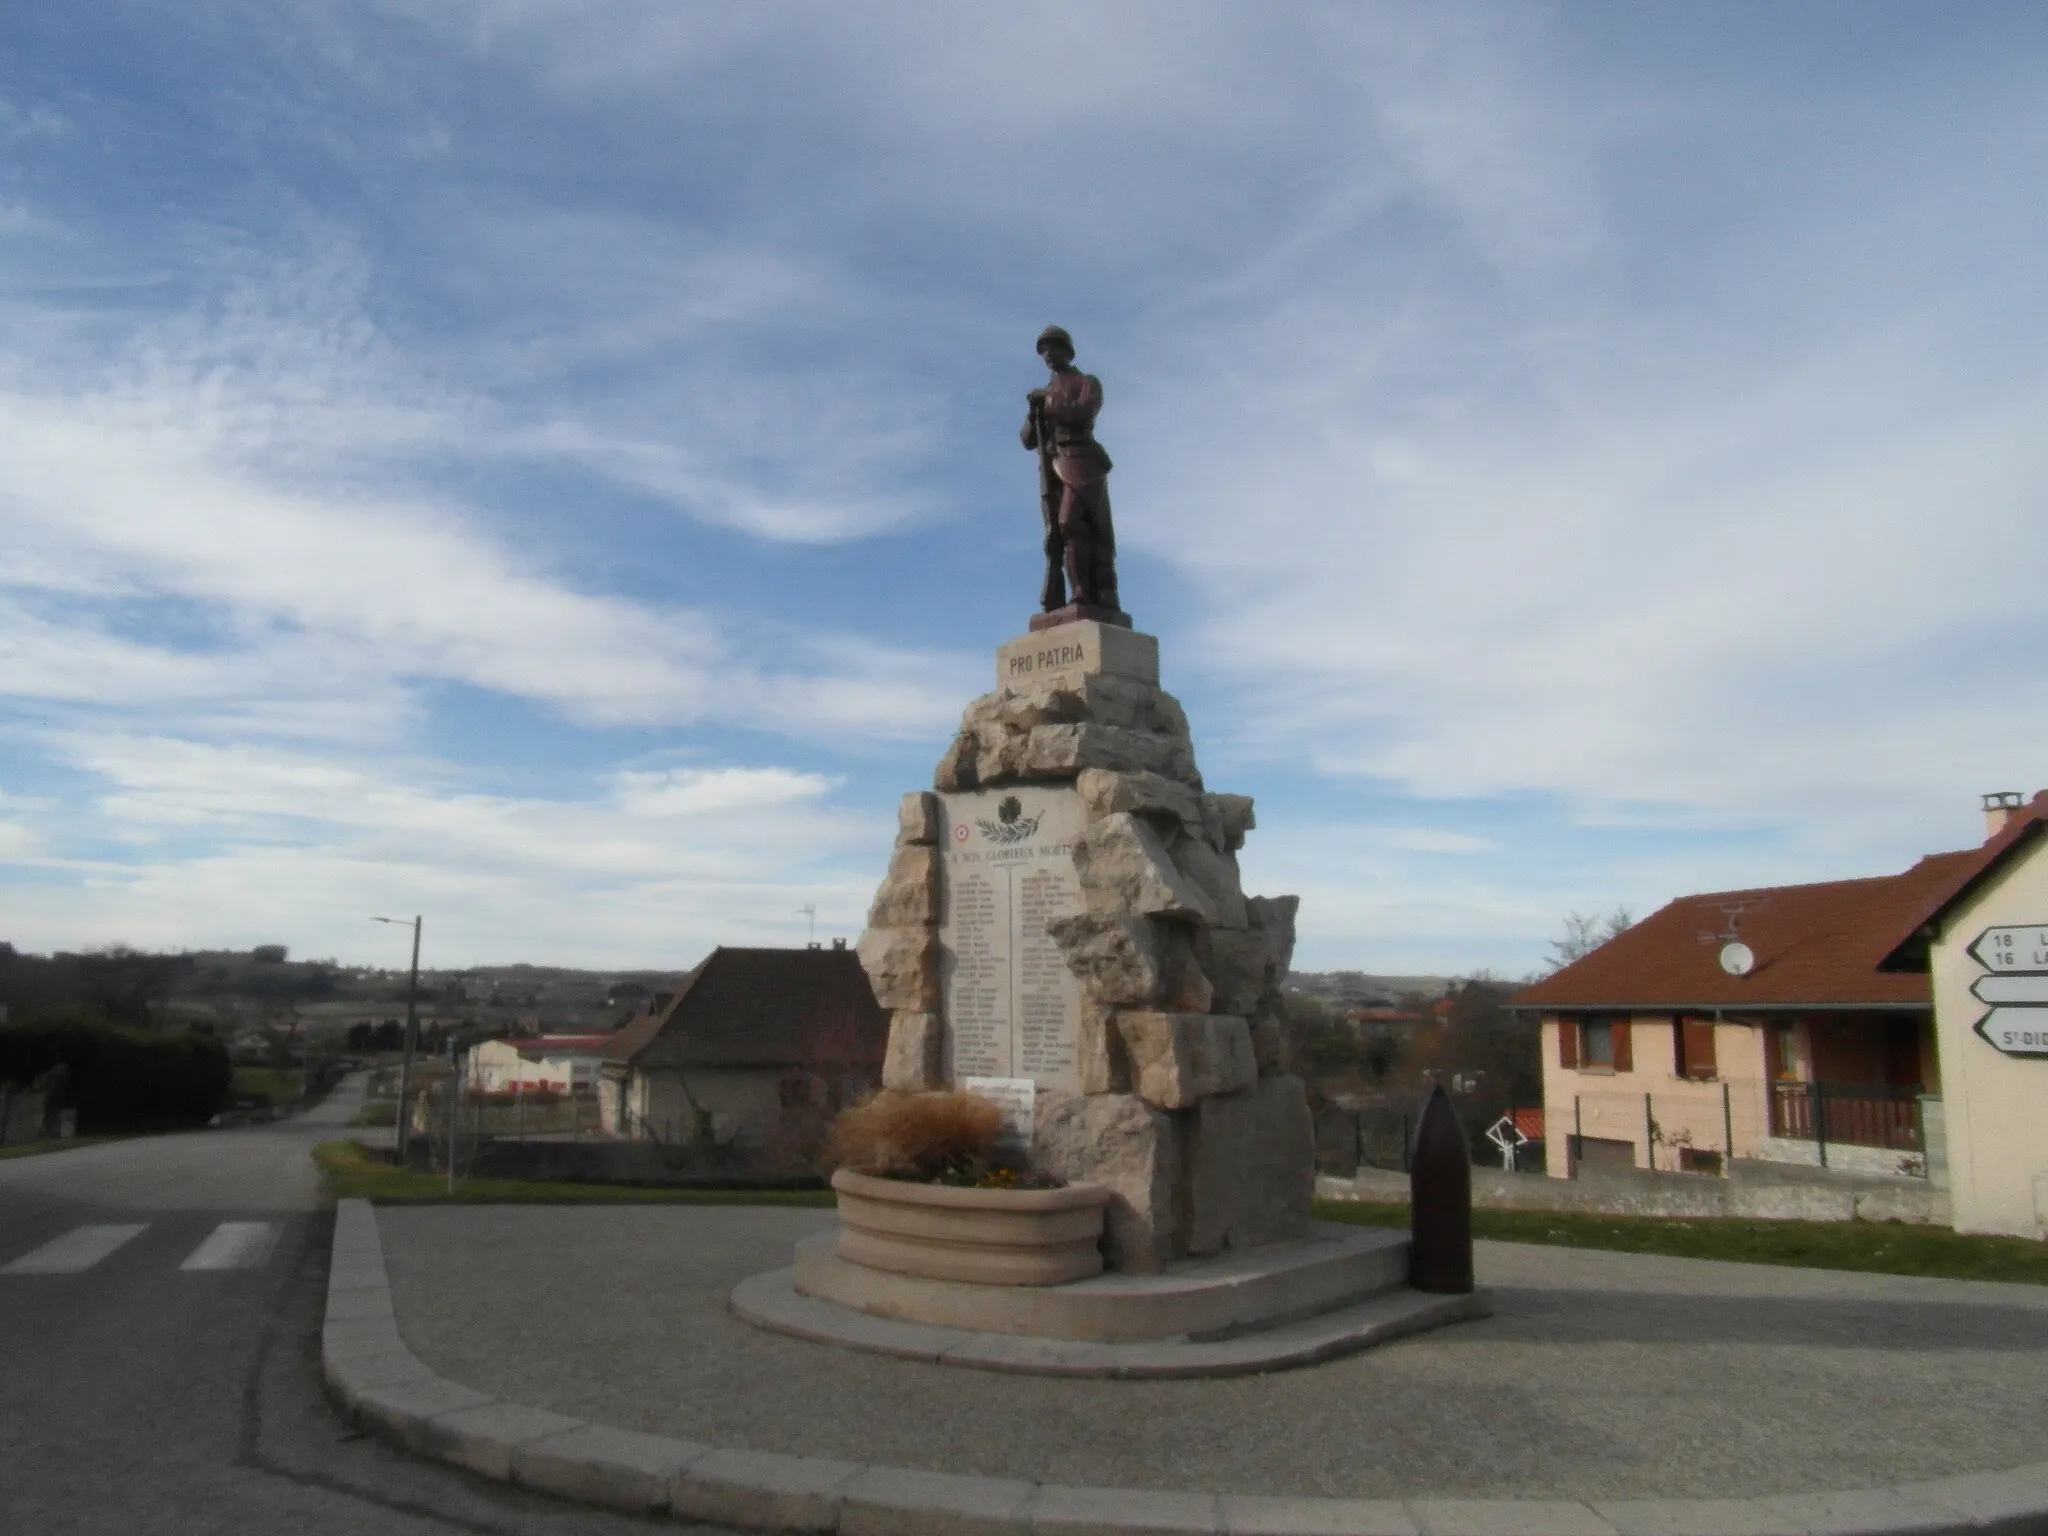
<point x="383" y="1386"/>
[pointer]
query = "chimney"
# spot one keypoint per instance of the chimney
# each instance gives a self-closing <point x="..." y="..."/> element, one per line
<point x="2001" y="809"/>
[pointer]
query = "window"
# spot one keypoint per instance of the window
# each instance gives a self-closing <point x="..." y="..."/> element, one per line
<point x="1692" y="1047"/>
<point x="1596" y="1043"/>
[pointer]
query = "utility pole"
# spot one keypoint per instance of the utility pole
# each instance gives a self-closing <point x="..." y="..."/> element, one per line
<point x="412" y="1032"/>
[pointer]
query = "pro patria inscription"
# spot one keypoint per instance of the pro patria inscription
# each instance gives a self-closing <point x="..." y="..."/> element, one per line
<point x="1012" y="1007"/>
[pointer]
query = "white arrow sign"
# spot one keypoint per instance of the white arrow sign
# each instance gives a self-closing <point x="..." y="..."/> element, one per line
<point x="2015" y="1031"/>
<point x="2022" y="949"/>
<point x="2020" y="987"/>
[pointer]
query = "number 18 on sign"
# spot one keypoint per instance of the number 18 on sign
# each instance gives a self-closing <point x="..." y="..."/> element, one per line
<point x="2022" y="948"/>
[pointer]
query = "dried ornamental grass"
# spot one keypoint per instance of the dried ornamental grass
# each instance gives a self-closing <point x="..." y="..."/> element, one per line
<point x="915" y="1135"/>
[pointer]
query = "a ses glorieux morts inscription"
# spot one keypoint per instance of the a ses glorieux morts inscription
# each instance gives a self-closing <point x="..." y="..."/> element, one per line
<point x="1013" y="1009"/>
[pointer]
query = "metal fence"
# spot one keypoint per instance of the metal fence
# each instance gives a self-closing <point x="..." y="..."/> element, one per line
<point x="1349" y="1138"/>
<point x="1848" y="1114"/>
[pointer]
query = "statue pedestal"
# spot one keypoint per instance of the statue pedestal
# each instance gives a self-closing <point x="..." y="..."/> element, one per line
<point x="1063" y="920"/>
<point x="1054" y="617"/>
<point x="1063" y="929"/>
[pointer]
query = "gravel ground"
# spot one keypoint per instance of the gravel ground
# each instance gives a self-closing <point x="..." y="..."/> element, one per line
<point x="1602" y="1375"/>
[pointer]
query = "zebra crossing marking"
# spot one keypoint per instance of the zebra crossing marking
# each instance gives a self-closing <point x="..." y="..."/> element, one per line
<point x="234" y="1245"/>
<point x="77" y="1250"/>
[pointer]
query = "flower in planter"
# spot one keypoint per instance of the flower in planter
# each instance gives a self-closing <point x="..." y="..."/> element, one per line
<point x="936" y="1138"/>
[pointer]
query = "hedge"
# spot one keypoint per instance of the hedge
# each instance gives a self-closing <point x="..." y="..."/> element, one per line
<point x="121" y="1079"/>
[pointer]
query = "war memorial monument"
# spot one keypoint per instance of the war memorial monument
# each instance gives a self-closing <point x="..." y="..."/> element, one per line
<point x="1063" y="929"/>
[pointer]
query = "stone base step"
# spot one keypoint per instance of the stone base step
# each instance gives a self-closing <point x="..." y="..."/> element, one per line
<point x="1200" y="1299"/>
<point x="773" y="1301"/>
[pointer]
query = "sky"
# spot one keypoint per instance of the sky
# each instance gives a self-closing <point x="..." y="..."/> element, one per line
<point x="552" y="468"/>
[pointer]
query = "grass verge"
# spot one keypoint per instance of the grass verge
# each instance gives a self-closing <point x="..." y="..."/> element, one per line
<point x="53" y="1144"/>
<point x="283" y="1085"/>
<point x="1885" y="1248"/>
<point x="352" y="1171"/>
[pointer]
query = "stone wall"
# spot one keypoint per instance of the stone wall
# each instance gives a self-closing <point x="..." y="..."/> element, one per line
<point x="1183" y="1100"/>
<point x="1673" y="1194"/>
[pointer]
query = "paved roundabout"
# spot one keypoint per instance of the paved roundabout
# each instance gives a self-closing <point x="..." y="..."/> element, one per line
<point x="589" y="1351"/>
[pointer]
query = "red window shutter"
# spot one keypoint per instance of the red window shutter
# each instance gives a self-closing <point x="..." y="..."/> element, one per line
<point x="1699" y="1048"/>
<point x="1624" y="1058"/>
<point x="1568" y="1043"/>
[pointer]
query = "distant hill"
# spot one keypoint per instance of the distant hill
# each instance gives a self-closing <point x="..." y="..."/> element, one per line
<point x="1362" y="989"/>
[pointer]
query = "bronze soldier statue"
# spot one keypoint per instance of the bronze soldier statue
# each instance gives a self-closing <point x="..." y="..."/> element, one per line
<point x="1080" y="539"/>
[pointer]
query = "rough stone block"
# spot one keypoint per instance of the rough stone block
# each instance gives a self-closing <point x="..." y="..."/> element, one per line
<point x="1036" y="704"/>
<point x="896" y="1501"/>
<point x="1101" y="1061"/>
<point x="1251" y="1167"/>
<point x="955" y="772"/>
<point x="902" y="966"/>
<point x="621" y="1468"/>
<point x="762" y="1490"/>
<point x="1000" y="754"/>
<point x="1117" y="1140"/>
<point x="1235" y="961"/>
<point x="1115" y="955"/>
<point x="1105" y="792"/>
<point x="920" y="819"/>
<point x="1062" y="751"/>
<point x="1234" y="818"/>
<point x="1124" y="868"/>
<point x="483" y="1438"/>
<point x="1272" y="1043"/>
<point x="915" y="1057"/>
<point x="909" y="894"/>
<point x="1273" y="917"/>
<point x="1179" y="1059"/>
<point x="1215" y="876"/>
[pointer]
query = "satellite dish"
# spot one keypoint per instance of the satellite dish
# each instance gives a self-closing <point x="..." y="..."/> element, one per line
<point x="1737" y="959"/>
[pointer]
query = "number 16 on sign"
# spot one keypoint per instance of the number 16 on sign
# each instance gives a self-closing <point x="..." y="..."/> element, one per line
<point x="2022" y="948"/>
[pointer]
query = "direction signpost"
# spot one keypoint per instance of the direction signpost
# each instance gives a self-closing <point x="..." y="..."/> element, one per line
<point x="2016" y="987"/>
<point x="1506" y="1135"/>
<point x="2020" y="949"/>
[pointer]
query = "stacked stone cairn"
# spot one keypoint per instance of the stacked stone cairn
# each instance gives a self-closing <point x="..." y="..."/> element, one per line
<point x="1187" y="1110"/>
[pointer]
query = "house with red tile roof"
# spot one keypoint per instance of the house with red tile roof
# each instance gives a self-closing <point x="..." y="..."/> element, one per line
<point x="749" y="1057"/>
<point x="1786" y="1023"/>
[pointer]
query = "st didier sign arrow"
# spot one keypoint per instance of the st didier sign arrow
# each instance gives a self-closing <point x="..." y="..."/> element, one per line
<point x="2016" y="989"/>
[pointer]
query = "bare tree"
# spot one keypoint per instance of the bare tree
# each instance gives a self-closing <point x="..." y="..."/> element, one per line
<point x="1583" y="934"/>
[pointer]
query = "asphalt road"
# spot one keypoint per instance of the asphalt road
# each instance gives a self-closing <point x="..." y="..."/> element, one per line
<point x="160" y="1306"/>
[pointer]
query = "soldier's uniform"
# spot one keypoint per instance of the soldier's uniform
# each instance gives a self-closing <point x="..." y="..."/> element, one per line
<point x="1082" y="520"/>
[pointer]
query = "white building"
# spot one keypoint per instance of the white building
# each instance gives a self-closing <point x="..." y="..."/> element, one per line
<point x="539" y="1063"/>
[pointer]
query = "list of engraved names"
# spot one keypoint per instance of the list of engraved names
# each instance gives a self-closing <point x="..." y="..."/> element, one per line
<point x="1012" y="1006"/>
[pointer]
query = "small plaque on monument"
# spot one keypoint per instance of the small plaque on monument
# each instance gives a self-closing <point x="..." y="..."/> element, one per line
<point x="1012" y="1007"/>
<point x="1017" y="1098"/>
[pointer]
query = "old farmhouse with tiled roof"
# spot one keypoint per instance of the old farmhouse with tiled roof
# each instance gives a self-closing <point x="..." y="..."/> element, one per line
<point x="1789" y="1023"/>
<point x="748" y="1058"/>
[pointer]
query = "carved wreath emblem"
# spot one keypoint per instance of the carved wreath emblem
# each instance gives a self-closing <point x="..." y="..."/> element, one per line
<point x="1011" y="824"/>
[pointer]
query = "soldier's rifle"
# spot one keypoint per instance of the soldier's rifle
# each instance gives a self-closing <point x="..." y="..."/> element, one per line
<point x="1049" y="490"/>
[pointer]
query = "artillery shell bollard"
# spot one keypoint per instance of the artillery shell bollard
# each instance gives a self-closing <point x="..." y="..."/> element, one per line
<point x="1440" y="1196"/>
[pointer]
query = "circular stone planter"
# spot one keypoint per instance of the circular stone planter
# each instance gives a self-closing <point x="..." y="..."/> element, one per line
<point x="985" y="1236"/>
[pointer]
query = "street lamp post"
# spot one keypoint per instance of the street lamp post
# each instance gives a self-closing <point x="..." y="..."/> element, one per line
<point x="412" y="1029"/>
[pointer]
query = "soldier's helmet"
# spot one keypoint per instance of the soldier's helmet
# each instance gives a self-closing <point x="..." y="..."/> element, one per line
<point x="1054" y="333"/>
